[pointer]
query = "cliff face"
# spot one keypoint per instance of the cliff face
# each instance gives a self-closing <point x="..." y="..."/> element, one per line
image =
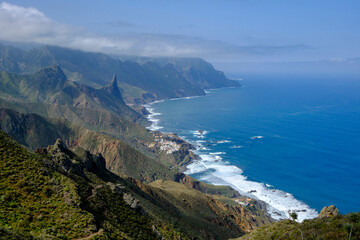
<point x="195" y="70"/>
<point x="202" y="74"/>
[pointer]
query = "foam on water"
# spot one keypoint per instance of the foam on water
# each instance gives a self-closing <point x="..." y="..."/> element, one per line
<point x="217" y="153"/>
<point x="199" y="133"/>
<point x="279" y="203"/>
<point x="236" y="146"/>
<point x="213" y="169"/>
<point x="151" y="117"/>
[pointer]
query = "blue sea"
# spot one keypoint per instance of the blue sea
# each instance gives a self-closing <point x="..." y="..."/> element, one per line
<point x="293" y="142"/>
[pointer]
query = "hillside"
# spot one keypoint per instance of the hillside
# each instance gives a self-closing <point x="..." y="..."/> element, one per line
<point x="336" y="227"/>
<point x="98" y="120"/>
<point x="35" y="132"/>
<point x="59" y="193"/>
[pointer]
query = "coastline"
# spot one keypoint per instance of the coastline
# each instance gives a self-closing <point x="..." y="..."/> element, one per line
<point x="278" y="203"/>
<point x="150" y="117"/>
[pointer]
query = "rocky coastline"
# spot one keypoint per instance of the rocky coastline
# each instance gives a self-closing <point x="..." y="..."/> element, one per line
<point x="184" y="152"/>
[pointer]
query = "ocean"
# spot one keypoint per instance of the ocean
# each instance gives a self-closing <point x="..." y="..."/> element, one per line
<point x="292" y="142"/>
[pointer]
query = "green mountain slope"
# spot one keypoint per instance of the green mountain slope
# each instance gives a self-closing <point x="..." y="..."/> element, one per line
<point x="57" y="193"/>
<point x="331" y="228"/>
<point x="35" y="131"/>
<point x="215" y="218"/>
<point x="97" y="120"/>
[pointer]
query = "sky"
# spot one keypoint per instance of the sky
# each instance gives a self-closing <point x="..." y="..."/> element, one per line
<point x="234" y="35"/>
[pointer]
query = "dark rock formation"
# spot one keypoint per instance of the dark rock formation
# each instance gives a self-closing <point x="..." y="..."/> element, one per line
<point x="113" y="89"/>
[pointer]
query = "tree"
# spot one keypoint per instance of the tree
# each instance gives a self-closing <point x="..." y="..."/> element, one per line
<point x="293" y="215"/>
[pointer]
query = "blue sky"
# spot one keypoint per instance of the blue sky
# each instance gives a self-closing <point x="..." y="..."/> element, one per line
<point x="265" y="34"/>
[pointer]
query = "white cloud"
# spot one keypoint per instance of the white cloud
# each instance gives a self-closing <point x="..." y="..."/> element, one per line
<point x="22" y="24"/>
<point x="28" y="24"/>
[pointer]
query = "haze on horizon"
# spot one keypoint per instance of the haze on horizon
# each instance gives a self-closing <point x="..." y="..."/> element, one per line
<point x="278" y="36"/>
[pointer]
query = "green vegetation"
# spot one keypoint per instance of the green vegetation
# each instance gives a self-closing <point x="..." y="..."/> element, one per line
<point x="97" y="120"/>
<point x="54" y="196"/>
<point x="35" y="131"/>
<point x="31" y="197"/>
<point x="69" y="193"/>
<point x="293" y="216"/>
<point x="59" y="194"/>
<point x="338" y="227"/>
<point x="201" y="214"/>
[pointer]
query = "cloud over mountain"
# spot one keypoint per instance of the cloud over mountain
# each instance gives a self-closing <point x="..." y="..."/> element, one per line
<point x="21" y="24"/>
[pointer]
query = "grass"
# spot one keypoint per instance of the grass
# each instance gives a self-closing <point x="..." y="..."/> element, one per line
<point x="39" y="199"/>
<point x="338" y="227"/>
<point x="31" y="197"/>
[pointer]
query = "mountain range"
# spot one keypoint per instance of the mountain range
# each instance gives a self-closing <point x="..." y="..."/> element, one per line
<point x="141" y="81"/>
<point x="77" y="161"/>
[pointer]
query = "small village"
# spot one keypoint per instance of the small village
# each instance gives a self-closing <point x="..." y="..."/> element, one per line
<point x="167" y="142"/>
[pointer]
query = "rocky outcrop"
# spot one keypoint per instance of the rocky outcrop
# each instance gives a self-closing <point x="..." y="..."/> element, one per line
<point x="64" y="159"/>
<point x="131" y="201"/>
<point x="116" y="188"/>
<point x="59" y="154"/>
<point x="329" y="211"/>
<point x="113" y="89"/>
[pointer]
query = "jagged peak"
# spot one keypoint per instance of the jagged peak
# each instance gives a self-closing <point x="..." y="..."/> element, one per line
<point x="59" y="144"/>
<point x="113" y="81"/>
<point x="113" y="85"/>
<point x="113" y="89"/>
